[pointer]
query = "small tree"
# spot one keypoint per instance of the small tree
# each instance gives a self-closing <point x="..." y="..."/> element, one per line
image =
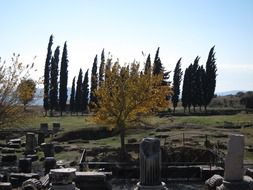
<point x="247" y="100"/>
<point x="10" y="76"/>
<point x="26" y="90"/>
<point x="126" y="92"/>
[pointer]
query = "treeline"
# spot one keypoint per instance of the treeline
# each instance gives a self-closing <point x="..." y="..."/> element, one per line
<point x="198" y="82"/>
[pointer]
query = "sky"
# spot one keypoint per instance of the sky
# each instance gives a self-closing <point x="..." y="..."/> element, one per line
<point x="126" y="28"/>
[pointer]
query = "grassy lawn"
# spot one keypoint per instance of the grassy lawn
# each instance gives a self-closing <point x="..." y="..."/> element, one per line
<point x="192" y="128"/>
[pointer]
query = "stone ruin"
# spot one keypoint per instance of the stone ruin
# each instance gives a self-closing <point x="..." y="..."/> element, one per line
<point x="150" y="169"/>
<point x="150" y="165"/>
<point x="234" y="170"/>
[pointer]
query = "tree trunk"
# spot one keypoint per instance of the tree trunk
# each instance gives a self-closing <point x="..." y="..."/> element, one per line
<point x="121" y="126"/>
<point x="174" y="109"/>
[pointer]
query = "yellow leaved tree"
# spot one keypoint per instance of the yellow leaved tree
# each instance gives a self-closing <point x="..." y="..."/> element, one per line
<point x="11" y="74"/>
<point x="26" y="90"/>
<point x="126" y="92"/>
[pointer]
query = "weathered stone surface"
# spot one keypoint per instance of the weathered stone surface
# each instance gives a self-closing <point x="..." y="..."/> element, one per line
<point x="234" y="159"/>
<point x="13" y="145"/>
<point x="33" y="157"/>
<point x="6" y="150"/>
<point x="245" y="184"/>
<point x="249" y="172"/>
<point x="92" y="180"/>
<point x="207" y="171"/>
<point x="150" y="165"/>
<point x="56" y="127"/>
<point x="16" y="141"/>
<point x="48" y="149"/>
<point x="214" y="181"/>
<point x="32" y="184"/>
<point x="44" y="128"/>
<point x="49" y="163"/>
<point x="41" y="138"/>
<point x="31" y="143"/>
<point x="25" y="165"/>
<point x="233" y="178"/>
<point x="9" y="158"/>
<point x="17" y="179"/>
<point x="5" y="186"/>
<point x="150" y="162"/>
<point x="62" y="176"/>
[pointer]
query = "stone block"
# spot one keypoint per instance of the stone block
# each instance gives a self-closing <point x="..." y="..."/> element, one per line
<point x="5" y="186"/>
<point x="234" y="159"/>
<point x="249" y="172"/>
<point x="25" y="165"/>
<point x="62" y="176"/>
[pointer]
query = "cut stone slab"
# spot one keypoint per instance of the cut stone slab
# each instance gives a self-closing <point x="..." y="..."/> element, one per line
<point x="5" y="186"/>
<point x="17" y="179"/>
<point x="9" y="158"/>
<point x="7" y="150"/>
<point x="62" y="176"/>
<point x="234" y="159"/>
<point x="92" y="180"/>
<point x="49" y="163"/>
<point x="18" y="141"/>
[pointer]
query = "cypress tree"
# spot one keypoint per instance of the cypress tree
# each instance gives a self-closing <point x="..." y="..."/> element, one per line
<point x="85" y="90"/>
<point x="54" y="80"/>
<point x="64" y="79"/>
<point x="147" y="69"/>
<point x="72" y="96"/>
<point x="194" y="83"/>
<point x="177" y="78"/>
<point x="46" y="75"/>
<point x="78" y="98"/>
<point x="94" y="83"/>
<point x="186" y="93"/>
<point x="157" y="67"/>
<point x="200" y="83"/>
<point x="102" y="68"/>
<point x="210" y="81"/>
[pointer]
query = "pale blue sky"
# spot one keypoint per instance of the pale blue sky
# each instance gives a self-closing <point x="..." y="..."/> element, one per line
<point x="181" y="28"/>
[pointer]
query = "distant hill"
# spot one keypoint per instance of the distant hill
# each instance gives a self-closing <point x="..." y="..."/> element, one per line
<point x="38" y="98"/>
<point x="232" y="92"/>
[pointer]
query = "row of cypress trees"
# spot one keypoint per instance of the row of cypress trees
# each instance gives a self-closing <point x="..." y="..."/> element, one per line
<point x="198" y="83"/>
<point x="54" y="99"/>
<point x="83" y="98"/>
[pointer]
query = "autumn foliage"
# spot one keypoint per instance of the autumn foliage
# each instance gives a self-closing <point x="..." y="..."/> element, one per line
<point x="26" y="90"/>
<point x="126" y="92"/>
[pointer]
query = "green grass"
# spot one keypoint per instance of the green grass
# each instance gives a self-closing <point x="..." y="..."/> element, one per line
<point x="69" y="123"/>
